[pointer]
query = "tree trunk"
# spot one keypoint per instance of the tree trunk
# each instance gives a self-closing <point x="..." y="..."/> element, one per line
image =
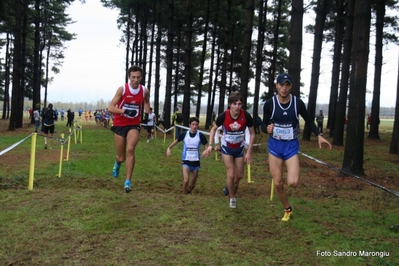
<point x="338" y="134"/>
<point x="272" y="73"/>
<point x="322" y="10"/>
<point x="169" y="60"/>
<point x="259" y="54"/>
<point x="354" y="146"/>
<point x="294" y="64"/>
<point x="203" y="57"/>
<point x="17" y="99"/>
<point x="338" y="42"/>
<point x="246" y="57"/>
<point x="375" y="106"/>
<point x="188" y="65"/>
<point x="36" y="61"/>
<point x="223" y="82"/>
<point x="394" y="147"/>
<point x="210" y="105"/>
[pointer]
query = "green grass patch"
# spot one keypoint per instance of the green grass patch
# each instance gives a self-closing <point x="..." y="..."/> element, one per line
<point x="85" y="218"/>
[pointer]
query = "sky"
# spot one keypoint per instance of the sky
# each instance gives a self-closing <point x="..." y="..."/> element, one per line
<point x="94" y="62"/>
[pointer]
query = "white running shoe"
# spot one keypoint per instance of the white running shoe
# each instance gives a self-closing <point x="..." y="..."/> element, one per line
<point x="233" y="203"/>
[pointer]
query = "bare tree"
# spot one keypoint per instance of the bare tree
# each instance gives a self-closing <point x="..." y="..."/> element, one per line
<point x="354" y="146"/>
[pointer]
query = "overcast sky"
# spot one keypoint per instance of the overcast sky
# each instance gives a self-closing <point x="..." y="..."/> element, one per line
<point x="94" y="63"/>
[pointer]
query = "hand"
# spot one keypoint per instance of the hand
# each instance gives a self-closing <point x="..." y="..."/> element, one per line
<point x="131" y="113"/>
<point x="145" y="120"/>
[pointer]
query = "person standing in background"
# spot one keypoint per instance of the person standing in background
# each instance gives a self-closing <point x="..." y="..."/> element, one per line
<point x="49" y="124"/>
<point x="36" y="116"/>
<point x="150" y="125"/>
<point x="320" y="120"/>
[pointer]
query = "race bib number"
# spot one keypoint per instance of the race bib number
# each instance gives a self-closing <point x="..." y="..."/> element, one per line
<point x="192" y="155"/>
<point x="283" y="131"/>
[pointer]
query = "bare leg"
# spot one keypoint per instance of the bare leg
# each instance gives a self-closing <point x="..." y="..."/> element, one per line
<point x="185" y="170"/>
<point x="193" y="181"/>
<point x="132" y="139"/>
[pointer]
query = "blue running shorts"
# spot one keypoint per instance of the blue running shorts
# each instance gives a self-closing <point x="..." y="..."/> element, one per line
<point x="236" y="153"/>
<point x="192" y="168"/>
<point x="283" y="149"/>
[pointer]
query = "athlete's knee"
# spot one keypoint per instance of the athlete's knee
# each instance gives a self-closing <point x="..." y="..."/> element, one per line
<point x="278" y="184"/>
<point x="293" y="183"/>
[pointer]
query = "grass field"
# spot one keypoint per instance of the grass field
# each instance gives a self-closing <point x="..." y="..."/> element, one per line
<point x="85" y="218"/>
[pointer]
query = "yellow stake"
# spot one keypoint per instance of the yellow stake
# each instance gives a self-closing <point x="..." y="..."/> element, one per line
<point x="32" y="162"/>
<point x="272" y="190"/>
<point x="81" y="134"/>
<point x="74" y="132"/>
<point x="61" y="153"/>
<point x="69" y="144"/>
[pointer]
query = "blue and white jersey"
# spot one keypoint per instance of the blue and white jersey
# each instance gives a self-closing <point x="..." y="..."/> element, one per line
<point x="285" y="120"/>
<point x="191" y="147"/>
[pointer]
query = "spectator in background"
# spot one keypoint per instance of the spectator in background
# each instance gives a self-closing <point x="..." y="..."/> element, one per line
<point x="368" y="122"/>
<point x="49" y="124"/>
<point x="161" y="119"/>
<point x="62" y="114"/>
<point x="36" y="116"/>
<point x="319" y="120"/>
<point x="177" y="119"/>
<point x="150" y="125"/>
<point x="70" y="117"/>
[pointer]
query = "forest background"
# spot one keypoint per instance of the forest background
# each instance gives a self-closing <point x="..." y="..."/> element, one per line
<point x="217" y="46"/>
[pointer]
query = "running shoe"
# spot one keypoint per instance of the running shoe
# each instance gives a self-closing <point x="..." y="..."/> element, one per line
<point x="128" y="188"/>
<point x="225" y="191"/>
<point x="287" y="216"/>
<point x="115" y="170"/>
<point x="45" y="146"/>
<point x="233" y="203"/>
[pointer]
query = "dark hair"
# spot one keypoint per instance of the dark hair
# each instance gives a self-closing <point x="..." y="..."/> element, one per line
<point x="192" y="119"/>
<point x="50" y="106"/>
<point x="135" y="69"/>
<point x="235" y="96"/>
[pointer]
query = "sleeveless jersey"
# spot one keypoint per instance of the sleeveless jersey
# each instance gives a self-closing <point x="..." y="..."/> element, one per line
<point x="191" y="147"/>
<point x="285" y="120"/>
<point x="151" y="119"/>
<point x="131" y="99"/>
<point x="234" y="130"/>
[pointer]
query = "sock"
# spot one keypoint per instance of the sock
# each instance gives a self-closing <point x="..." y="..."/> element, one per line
<point x="127" y="182"/>
<point x="289" y="209"/>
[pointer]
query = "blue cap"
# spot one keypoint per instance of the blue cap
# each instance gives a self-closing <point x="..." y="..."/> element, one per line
<point x="284" y="77"/>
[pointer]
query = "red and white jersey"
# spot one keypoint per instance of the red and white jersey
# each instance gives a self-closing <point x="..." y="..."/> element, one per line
<point x="234" y="129"/>
<point x="132" y="99"/>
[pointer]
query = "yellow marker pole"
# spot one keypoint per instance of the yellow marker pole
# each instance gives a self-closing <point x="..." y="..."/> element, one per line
<point x="61" y="153"/>
<point x="32" y="162"/>
<point x="272" y="190"/>
<point x="164" y="137"/>
<point x="69" y="145"/>
<point x="249" y="173"/>
<point x="74" y="132"/>
<point x="81" y="134"/>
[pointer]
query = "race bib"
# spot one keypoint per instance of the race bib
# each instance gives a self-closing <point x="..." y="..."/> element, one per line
<point x="283" y="131"/>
